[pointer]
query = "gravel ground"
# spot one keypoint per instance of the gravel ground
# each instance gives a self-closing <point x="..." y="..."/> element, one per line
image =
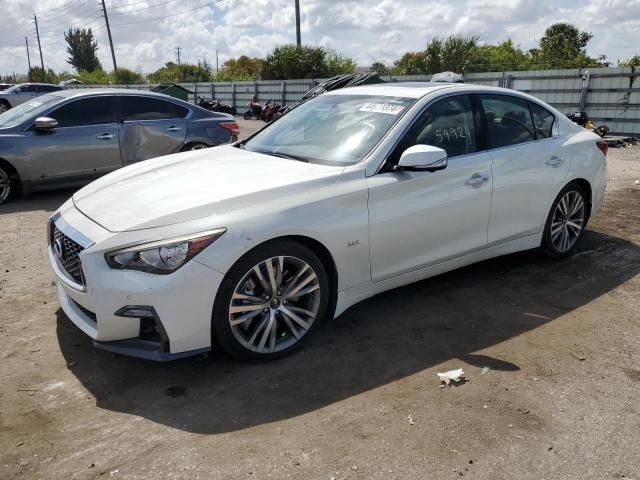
<point x="361" y="400"/>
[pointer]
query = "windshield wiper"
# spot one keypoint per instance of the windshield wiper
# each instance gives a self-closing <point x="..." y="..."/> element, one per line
<point x="285" y="155"/>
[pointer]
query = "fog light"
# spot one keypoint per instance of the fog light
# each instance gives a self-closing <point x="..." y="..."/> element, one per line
<point x="134" y="312"/>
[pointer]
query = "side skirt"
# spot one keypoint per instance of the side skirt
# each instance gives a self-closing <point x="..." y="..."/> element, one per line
<point x="350" y="297"/>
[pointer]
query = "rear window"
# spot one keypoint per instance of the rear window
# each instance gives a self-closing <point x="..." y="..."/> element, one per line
<point x="543" y="120"/>
<point x="146" y="108"/>
<point x="508" y="120"/>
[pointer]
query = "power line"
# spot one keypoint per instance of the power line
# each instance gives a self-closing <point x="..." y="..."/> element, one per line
<point x="117" y="12"/>
<point x="60" y="7"/>
<point x="167" y="16"/>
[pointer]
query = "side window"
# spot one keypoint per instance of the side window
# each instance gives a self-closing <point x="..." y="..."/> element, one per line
<point x="28" y="89"/>
<point x="448" y="124"/>
<point x="145" y="108"/>
<point x="85" y="111"/>
<point x="543" y="121"/>
<point x="508" y="120"/>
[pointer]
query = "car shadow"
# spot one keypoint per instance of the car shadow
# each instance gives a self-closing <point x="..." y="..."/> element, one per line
<point x="41" y="201"/>
<point x="384" y="339"/>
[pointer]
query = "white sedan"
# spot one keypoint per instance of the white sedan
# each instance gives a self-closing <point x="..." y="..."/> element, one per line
<point x="350" y="194"/>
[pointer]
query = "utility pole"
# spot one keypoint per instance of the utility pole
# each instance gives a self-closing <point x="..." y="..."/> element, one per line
<point x="106" y="20"/>
<point x="35" y="19"/>
<point x="26" y="42"/>
<point x="298" y="39"/>
<point x="217" y="69"/>
<point x="178" y="54"/>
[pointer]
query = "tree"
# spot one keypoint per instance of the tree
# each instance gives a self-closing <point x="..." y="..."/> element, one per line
<point x="82" y="48"/>
<point x="291" y="62"/>
<point x="242" y="68"/>
<point x="453" y="53"/>
<point x="564" y="46"/>
<point x="339" y="64"/>
<point x="37" y="74"/>
<point x="505" y="56"/>
<point x="631" y="62"/>
<point x="380" y="68"/>
<point x="183" y="73"/>
<point x="411" y="63"/>
<point x="124" y="76"/>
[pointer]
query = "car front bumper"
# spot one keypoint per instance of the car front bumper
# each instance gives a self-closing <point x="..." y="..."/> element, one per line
<point x="181" y="302"/>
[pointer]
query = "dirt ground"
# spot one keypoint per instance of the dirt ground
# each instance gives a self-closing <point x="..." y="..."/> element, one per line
<point x="560" y="401"/>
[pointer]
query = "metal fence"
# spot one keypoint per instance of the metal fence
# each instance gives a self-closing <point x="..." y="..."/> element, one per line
<point x="609" y="95"/>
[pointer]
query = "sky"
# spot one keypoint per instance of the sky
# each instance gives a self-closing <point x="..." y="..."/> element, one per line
<point x="366" y="30"/>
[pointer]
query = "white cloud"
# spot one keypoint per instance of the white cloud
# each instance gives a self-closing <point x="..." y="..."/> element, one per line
<point x="368" y="30"/>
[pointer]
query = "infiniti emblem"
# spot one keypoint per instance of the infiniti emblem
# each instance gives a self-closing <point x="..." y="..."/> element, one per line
<point x="57" y="248"/>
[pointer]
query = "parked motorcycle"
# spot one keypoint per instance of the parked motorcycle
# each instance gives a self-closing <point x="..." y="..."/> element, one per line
<point x="269" y="111"/>
<point x="582" y="119"/>
<point x="255" y="109"/>
<point x="282" y="110"/>
<point x="216" y="105"/>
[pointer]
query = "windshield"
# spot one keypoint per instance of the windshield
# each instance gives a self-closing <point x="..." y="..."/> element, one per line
<point x="331" y="129"/>
<point x="24" y="111"/>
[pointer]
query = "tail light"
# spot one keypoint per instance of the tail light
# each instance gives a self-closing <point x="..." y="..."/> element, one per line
<point x="603" y="146"/>
<point x="233" y="127"/>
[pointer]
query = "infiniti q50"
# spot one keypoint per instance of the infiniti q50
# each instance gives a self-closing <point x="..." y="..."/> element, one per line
<point x="361" y="190"/>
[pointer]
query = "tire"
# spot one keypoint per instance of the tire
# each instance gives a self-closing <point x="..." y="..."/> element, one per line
<point x="246" y="300"/>
<point x="194" y="146"/>
<point x="232" y="111"/>
<point x="4" y="106"/>
<point x="8" y="185"/>
<point x="247" y="115"/>
<point x="566" y="222"/>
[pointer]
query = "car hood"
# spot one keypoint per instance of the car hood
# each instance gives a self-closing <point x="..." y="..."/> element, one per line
<point x="192" y="185"/>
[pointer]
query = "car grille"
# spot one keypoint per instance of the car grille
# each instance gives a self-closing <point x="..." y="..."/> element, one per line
<point x="70" y="258"/>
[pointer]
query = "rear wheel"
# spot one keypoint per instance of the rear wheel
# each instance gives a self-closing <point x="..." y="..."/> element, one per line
<point x="4" y="106"/>
<point x="566" y="221"/>
<point x="270" y="301"/>
<point x="247" y="115"/>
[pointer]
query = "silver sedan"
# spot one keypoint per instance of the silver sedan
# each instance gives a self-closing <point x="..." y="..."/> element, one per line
<point x="72" y="137"/>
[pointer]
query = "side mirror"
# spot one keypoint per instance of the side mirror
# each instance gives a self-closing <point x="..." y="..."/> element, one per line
<point x="45" y="123"/>
<point x="422" y="158"/>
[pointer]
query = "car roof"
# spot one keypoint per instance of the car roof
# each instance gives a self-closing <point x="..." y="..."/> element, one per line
<point x="397" y="89"/>
<point x="80" y="92"/>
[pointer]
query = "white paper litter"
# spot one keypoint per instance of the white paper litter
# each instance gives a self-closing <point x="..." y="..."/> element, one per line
<point x="451" y="376"/>
<point x="484" y="370"/>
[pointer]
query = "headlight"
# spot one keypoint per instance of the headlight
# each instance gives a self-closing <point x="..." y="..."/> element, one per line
<point x="162" y="257"/>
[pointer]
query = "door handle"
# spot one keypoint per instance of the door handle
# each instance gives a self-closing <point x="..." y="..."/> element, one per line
<point x="105" y="136"/>
<point x="477" y="180"/>
<point x="555" y="161"/>
<point x="173" y="128"/>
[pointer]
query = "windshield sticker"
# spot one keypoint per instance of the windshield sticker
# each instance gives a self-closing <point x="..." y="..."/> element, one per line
<point x="382" y="108"/>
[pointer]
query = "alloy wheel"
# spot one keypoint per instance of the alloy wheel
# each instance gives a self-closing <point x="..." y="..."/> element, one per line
<point x="568" y="221"/>
<point x="5" y="185"/>
<point x="198" y="146"/>
<point x="275" y="304"/>
<point x="3" y="107"/>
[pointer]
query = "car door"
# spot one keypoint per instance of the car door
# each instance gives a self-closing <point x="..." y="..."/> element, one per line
<point x="151" y="127"/>
<point x="84" y="145"/>
<point x="529" y="165"/>
<point x="417" y="219"/>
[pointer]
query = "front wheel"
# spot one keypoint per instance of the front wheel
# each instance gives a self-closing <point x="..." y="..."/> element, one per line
<point x="4" y="106"/>
<point x="6" y="185"/>
<point x="270" y="301"/>
<point x="566" y="221"/>
<point x="232" y="111"/>
<point x="247" y="115"/>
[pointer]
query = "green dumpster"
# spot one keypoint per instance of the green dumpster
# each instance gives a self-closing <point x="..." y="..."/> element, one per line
<point x="173" y="90"/>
